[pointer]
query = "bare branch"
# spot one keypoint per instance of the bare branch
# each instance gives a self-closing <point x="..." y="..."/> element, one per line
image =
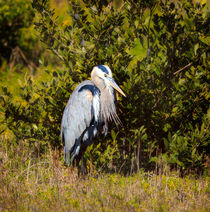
<point x="188" y="65"/>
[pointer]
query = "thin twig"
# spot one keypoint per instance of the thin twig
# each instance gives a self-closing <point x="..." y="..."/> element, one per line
<point x="28" y="169"/>
<point x="121" y="167"/>
<point x="31" y="167"/>
<point x="148" y="33"/>
<point x="183" y="68"/>
<point x="55" y="52"/>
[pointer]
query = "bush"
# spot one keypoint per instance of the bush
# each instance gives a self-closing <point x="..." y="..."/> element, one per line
<point x="158" y="53"/>
<point x="16" y="20"/>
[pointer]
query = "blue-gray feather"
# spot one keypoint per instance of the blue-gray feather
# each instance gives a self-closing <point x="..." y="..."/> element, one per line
<point x="78" y="115"/>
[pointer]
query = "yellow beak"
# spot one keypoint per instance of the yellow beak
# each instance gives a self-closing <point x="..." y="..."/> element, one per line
<point x="114" y="85"/>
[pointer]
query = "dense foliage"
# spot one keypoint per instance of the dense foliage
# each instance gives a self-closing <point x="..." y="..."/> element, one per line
<point x="158" y="52"/>
<point x="15" y="19"/>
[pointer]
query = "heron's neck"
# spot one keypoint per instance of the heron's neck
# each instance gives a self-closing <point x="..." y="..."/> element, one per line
<point x="107" y="101"/>
<point x="98" y="83"/>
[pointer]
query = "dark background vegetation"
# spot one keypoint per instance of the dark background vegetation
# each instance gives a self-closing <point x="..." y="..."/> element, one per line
<point x="159" y="54"/>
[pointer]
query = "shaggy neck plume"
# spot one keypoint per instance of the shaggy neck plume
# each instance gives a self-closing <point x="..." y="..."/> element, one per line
<point x="108" y="109"/>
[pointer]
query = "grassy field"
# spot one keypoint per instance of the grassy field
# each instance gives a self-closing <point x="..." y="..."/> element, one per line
<point x="32" y="183"/>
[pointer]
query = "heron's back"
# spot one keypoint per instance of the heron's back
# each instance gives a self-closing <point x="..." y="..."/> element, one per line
<point x="81" y="111"/>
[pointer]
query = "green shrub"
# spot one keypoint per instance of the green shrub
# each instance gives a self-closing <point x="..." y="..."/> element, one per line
<point x="16" y="20"/>
<point x="159" y="55"/>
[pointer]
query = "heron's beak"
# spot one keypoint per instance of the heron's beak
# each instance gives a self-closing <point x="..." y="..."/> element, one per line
<point x="114" y="85"/>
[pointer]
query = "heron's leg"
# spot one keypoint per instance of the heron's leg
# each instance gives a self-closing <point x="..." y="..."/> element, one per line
<point x="77" y="160"/>
<point x="83" y="167"/>
<point x="80" y="157"/>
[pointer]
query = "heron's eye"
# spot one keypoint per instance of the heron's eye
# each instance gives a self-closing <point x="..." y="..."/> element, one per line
<point x="105" y="75"/>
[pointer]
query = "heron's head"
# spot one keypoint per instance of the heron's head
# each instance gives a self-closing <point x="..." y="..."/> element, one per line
<point x="101" y="75"/>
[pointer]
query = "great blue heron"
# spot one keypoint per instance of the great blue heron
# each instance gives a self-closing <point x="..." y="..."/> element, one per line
<point x="90" y="107"/>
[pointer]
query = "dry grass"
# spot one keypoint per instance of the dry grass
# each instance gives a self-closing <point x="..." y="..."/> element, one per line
<point x="44" y="184"/>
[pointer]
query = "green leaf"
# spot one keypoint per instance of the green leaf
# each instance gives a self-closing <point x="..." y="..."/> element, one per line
<point x="196" y="46"/>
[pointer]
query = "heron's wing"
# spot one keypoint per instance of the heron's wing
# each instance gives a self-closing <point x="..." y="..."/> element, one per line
<point x="80" y="110"/>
